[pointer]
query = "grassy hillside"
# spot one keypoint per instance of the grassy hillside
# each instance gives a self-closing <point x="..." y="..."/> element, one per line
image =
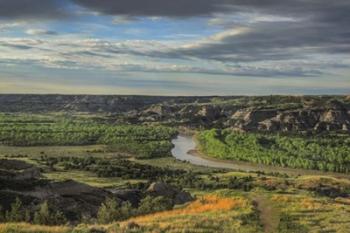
<point x="228" y="211"/>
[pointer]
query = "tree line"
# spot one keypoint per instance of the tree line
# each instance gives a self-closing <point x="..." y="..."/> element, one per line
<point x="326" y="153"/>
<point x="144" y="141"/>
<point x="110" y="210"/>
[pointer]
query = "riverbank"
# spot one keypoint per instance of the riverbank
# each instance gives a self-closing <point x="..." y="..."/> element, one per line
<point x="186" y="149"/>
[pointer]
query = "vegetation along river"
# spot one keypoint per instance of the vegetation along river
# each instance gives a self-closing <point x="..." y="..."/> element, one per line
<point x="185" y="150"/>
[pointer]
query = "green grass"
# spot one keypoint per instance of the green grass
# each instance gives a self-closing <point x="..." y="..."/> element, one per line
<point x="315" y="214"/>
<point x="28" y="228"/>
<point x="37" y="151"/>
<point x="172" y="163"/>
<point x="90" y="178"/>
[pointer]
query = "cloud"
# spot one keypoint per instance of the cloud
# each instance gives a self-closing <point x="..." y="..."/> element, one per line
<point x="323" y="9"/>
<point x="273" y="29"/>
<point x="123" y="20"/>
<point x="40" y="32"/>
<point x="144" y="56"/>
<point x="32" y="9"/>
<point x="168" y="8"/>
<point x="256" y="30"/>
<point x="11" y="25"/>
<point x="256" y="38"/>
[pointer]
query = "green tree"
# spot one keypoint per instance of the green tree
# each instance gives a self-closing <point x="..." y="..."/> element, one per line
<point x="108" y="212"/>
<point x="2" y="217"/>
<point x="27" y="216"/>
<point x="150" y="204"/>
<point x="15" y="214"/>
<point x="126" y="210"/>
<point x="42" y="216"/>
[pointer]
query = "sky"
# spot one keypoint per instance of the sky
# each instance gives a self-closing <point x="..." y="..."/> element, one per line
<point x="168" y="47"/>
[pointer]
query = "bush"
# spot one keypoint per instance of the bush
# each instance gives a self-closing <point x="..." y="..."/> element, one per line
<point x="108" y="212"/>
<point x="16" y="213"/>
<point x="150" y="204"/>
<point x="111" y="211"/>
<point x="46" y="217"/>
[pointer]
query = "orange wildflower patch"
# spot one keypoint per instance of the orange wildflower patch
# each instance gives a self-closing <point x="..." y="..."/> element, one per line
<point x="310" y="204"/>
<point x="281" y="198"/>
<point x="210" y="203"/>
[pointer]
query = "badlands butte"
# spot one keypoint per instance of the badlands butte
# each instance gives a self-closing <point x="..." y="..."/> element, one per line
<point x="260" y="113"/>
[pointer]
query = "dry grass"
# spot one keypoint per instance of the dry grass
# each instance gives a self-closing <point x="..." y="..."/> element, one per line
<point x="28" y="228"/>
<point x="211" y="213"/>
<point x="315" y="181"/>
<point x="315" y="213"/>
<point x="206" y="204"/>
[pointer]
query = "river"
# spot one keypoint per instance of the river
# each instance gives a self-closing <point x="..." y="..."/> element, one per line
<point x="185" y="150"/>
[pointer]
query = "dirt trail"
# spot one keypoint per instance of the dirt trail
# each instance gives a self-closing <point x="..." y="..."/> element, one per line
<point x="269" y="215"/>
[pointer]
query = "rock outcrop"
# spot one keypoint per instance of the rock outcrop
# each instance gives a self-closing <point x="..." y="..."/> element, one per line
<point x="281" y="113"/>
<point x="165" y="190"/>
<point x="72" y="198"/>
<point x="17" y="170"/>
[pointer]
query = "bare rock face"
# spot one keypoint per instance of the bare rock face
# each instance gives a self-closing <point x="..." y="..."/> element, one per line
<point x="165" y="190"/>
<point x="188" y="111"/>
<point x="87" y="103"/>
<point x="270" y="125"/>
<point x="282" y="114"/>
<point x="336" y="119"/>
<point x="15" y="165"/>
<point x="298" y="120"/>
<point x="209" y="112"/>
<point x="73" y="199"/>
<point x="182" y="198"/>
<point x="249" y="119"/>
<point x="130" y="195"/>
<point x="161" y="189"/>
<point x="292" y="120"/>
<point x="77" y="198"/>
<point x="23" y="180"/>
<point x="156" y="113"/>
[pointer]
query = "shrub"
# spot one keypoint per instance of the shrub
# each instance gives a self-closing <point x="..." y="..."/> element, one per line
<point x="111" y="211"/>
<point x="15" y="214"/>
<point x="150" y="204"/>
<point x="46" y="217"/>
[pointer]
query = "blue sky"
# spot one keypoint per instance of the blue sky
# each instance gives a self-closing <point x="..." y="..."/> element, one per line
<point x="198" y="47"/>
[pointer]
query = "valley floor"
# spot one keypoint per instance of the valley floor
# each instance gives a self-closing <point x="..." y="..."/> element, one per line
<point x="72" y="166"/>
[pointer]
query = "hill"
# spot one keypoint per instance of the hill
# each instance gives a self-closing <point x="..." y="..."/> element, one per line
<point x="265" y="113"/>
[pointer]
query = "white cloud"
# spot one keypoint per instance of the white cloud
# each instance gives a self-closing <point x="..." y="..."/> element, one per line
<point x="149" y="56"/>
<point x="245" y="18"/>
<point x="10" y="25"/>
<point x="123" y="20"/>
<point x="40" y="32"/>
